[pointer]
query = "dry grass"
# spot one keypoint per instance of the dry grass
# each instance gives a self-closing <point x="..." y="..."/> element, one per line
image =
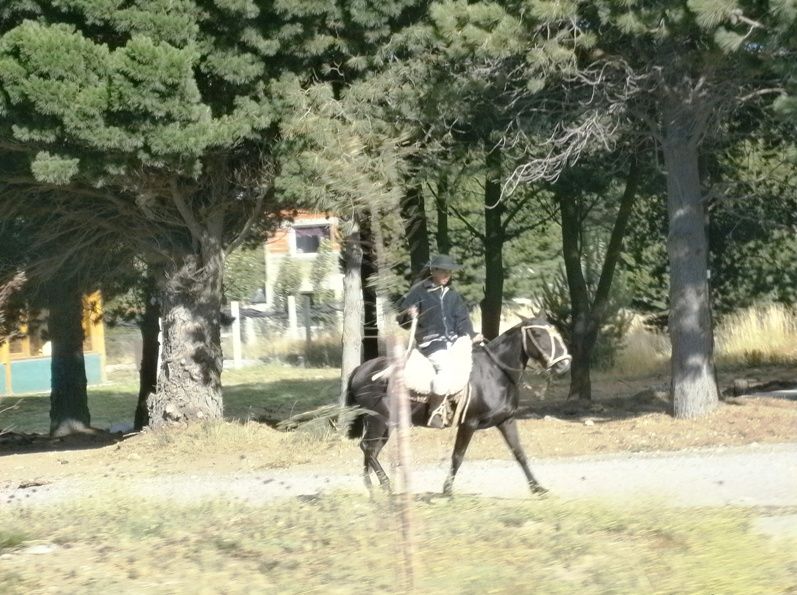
<point x="644" y="351"/>
<point x="247" y="444"/>
<point x="323" y="350"/>
<point x="338" y="544"/>
<point x="757" y="336"/>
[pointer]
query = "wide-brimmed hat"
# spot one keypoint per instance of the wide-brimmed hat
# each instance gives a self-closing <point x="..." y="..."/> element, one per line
<point x="445" y="262"/>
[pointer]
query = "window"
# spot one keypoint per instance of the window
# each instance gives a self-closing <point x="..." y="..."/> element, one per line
<point x="308" y="239"/>
<point x="18" y="346"/>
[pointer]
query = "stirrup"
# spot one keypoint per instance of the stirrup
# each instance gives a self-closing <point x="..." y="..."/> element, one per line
<point x="441" y="416"/>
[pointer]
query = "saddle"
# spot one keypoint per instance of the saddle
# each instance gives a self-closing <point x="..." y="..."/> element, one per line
<point x="420" y="375"/>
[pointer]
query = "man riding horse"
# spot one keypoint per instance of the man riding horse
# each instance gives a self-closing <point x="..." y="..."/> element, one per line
<point x="443" y="334"/>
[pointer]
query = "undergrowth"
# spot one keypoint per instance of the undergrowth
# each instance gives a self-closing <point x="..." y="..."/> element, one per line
<point x="347" y="544"/>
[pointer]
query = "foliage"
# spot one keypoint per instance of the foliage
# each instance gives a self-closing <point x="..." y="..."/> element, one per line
<point x="784" y="50"/>
<point x="8" y="288"/>
<point x="289" y="280"/>
<point x="146" y="135"/>
<point x="753" y="221"/>
<point x="645" y="258"/>
<point x="244" y="274"/>
<point x="556" y="304"/>
<point x="324" y="264"/>
<point x="751" y="242"/>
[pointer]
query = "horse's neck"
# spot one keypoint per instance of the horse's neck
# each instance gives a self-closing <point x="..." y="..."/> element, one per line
<point x="509" y="350"/>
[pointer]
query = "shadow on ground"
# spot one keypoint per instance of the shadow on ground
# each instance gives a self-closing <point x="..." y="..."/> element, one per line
<point x="599" y="411"/>
<point x="20" y="443"/>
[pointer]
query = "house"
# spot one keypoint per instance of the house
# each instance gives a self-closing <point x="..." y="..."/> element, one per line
<point x="298" y="244"/>
<point x="301" y="239"/>
<point x="25" y="360"/>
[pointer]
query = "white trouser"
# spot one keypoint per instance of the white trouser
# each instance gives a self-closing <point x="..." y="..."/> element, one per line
<point x="443" y="363"/>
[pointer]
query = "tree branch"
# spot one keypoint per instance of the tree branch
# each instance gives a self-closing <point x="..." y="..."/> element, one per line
<point x="467" y="223"/>
<point x="185" y="212"/>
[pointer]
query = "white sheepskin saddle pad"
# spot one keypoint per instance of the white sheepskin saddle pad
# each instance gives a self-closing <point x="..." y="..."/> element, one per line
<point x="419" y="373"/>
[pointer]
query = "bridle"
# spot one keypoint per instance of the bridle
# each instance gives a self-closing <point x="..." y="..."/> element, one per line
<point x="554" y="338"/>
<point x="550" y="360"/>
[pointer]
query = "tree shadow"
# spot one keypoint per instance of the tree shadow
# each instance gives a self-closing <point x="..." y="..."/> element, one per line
<point x="599" y="411"/>
<point x="12" y="443"/>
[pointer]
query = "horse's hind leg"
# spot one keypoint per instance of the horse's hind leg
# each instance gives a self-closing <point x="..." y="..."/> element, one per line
<point x="509" y="431"/>
<point x="375" y="438"/>
<point x="464" y="434"/>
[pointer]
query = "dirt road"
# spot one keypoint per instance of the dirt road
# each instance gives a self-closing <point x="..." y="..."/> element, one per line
<point x="751" y="476"/>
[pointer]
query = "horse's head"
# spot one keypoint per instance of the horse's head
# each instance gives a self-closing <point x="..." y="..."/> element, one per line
<point x="543" y="343"/>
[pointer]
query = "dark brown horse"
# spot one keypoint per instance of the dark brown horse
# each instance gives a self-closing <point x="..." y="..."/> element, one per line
<point x="495" y="377"/>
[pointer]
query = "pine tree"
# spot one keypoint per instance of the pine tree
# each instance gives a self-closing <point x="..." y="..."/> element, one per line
<point x="159" y="120"/>
<point x="690" y="64"/>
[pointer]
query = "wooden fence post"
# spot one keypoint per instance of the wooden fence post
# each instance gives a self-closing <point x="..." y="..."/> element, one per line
<point x="235" y="313"/>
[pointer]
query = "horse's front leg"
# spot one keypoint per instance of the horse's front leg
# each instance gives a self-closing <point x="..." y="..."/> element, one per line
<point x="509" y="431"/>
<point x="464" y="434"/>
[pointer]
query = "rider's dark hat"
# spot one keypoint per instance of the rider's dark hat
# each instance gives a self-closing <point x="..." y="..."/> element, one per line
<point x="445" y="262"/>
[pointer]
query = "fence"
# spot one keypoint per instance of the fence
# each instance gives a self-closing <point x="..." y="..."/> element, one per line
<point x="311" y="336"/>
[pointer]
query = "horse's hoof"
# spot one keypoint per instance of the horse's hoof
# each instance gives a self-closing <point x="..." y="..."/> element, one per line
<point x="538" y="490"/>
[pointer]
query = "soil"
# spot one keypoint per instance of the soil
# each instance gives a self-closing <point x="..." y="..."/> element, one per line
<point x="625" y="416"/>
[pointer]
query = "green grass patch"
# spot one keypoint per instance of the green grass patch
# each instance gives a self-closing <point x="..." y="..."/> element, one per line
<point x="278" y="392"/>
<point x="274" y="391"/>
<point x="12" y="539"/>
<point x="347" y="544"/>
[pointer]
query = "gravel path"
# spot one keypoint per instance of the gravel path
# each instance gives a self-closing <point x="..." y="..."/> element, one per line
<point x="751" y="476"/>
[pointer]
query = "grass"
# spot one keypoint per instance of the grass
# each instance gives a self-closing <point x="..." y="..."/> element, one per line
<point x="644" y="351"/>
<point x="758" y="336"/>
<point x="347" y="544"/>
<point x="275" y="391"/>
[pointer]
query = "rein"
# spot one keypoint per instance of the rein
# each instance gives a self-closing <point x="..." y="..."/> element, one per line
<point x="505" y="369"/>
<point x="549" y="359"/>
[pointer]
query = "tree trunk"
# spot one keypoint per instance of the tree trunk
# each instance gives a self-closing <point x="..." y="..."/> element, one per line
<point x="493" y="247"/>
<point x="441" y="205"/>
<point x="368" y="271"/>
<point x="148" y="372"/>
<point x="694" y="384"/>
<point x="583" y="332"/>
<point x="351" y="338"/>
<point x="69" y="409"/>
<point x="189" y="383"/>
<point x="589" y="314"/>
<point x="414" y="215"/>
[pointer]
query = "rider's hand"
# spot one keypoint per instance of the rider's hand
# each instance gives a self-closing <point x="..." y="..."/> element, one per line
<point x="478" y="338"/>
<point x="413" y="311"/>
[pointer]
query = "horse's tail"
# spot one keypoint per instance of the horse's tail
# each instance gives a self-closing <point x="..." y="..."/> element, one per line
<point x="357" y="423"/>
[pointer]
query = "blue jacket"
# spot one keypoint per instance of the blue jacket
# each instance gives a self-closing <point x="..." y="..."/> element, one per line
<point x="442" y="315"/>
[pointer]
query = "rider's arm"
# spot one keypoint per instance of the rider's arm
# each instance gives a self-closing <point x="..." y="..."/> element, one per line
<point x="462" y="321"/>
<point x="410" y="300"/>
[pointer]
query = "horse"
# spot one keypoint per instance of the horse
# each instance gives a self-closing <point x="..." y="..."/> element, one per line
<point x="494" y="393"/>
